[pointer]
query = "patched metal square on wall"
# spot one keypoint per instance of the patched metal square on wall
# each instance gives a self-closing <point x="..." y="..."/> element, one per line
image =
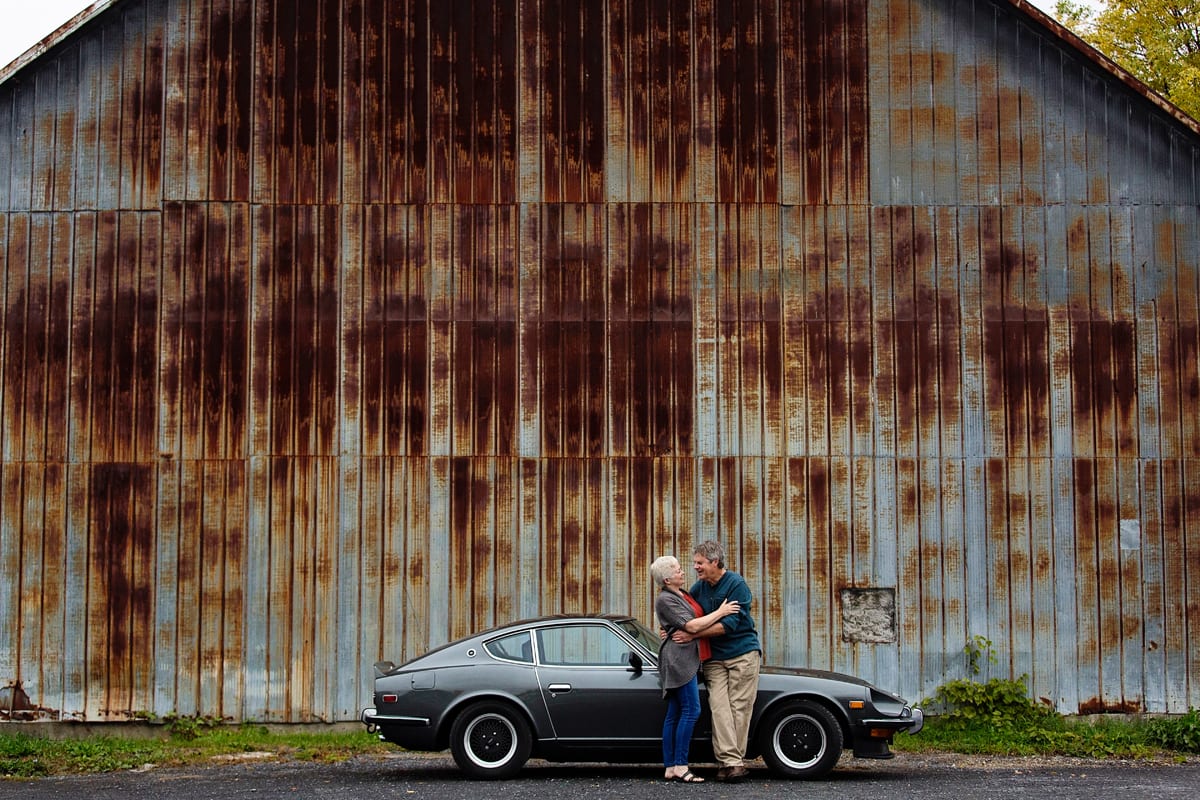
<point x="869" y="615"/>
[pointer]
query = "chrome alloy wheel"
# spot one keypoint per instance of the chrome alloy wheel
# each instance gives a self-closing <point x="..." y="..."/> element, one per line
<point x="799" y="741"/>
<point x="490" y="739"/>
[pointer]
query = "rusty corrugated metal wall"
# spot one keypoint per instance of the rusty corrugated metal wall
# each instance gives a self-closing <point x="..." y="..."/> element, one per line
<point x="334" y="329"/>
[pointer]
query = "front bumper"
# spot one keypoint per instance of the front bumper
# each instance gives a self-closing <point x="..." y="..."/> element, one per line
<point x="910" y="721"/>
<point x="878" y="732"/>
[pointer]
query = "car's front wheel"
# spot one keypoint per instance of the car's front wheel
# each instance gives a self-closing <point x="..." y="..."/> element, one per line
<point x="490" y="740"/>
<point x="800" y="740"/>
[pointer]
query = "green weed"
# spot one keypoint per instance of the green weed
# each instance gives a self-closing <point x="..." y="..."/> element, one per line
<point x="998" y="717"/>
<point x="1181" y="734"/>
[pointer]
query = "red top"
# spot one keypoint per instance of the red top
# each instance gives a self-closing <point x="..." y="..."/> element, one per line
<point x="705" y="648"/>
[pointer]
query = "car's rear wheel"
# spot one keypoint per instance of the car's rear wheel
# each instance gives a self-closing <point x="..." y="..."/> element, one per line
<point x="490" y="740"/>
<point x="800" y="740"/>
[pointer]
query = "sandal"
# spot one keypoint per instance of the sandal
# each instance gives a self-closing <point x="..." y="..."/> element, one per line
<point x="689" y="777"/>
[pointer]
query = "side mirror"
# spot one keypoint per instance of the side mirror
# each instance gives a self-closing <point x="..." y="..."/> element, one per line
<point x="635" y="663"/>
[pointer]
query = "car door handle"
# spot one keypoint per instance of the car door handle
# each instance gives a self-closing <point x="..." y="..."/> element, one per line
<point x="555" y="688"/>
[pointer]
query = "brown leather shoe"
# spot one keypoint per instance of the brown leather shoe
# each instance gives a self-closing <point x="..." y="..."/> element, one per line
<point x="722" y="775"/>
<point x="736" y="774"/>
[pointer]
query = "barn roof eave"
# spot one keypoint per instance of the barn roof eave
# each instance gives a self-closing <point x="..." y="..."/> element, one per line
<point x="1107" y="64"/>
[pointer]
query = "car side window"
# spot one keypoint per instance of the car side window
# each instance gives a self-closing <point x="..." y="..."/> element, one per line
<point x="514" y="647"/>
<point x="582" y="646"/>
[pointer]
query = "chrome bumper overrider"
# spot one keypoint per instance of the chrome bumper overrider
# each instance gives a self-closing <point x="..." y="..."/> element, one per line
<point x="373" y="719"/>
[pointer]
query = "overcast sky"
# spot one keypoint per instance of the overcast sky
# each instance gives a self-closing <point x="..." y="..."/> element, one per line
<point x="24" y="23"/>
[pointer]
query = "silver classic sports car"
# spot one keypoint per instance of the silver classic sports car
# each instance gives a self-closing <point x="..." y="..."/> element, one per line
<point x="585" y="688"/>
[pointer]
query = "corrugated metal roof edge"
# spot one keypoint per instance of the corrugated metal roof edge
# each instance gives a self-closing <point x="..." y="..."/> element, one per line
<point x="61" y="33"/>
<point x="1106" y="63"/>
<point x="1033" y="12"/>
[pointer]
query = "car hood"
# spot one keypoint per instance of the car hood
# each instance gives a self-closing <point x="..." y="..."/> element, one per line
<point x="819" y="674"/>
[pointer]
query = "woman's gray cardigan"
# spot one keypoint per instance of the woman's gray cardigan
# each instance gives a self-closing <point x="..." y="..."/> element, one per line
<point x="677" y="663"/>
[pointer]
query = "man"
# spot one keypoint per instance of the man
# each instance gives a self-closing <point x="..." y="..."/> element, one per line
<point x="732" y="673"/>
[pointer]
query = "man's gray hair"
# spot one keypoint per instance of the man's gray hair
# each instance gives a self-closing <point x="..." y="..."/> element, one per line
<point x="663" y="568"/>
<point x="712" y="551"/>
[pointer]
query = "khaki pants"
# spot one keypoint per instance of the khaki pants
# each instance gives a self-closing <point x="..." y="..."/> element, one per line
<point x="732" y="689"/>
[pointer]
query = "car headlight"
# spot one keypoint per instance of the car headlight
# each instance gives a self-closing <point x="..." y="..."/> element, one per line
<point x="886" y="703"/>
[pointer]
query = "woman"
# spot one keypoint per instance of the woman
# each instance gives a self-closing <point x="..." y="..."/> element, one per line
<point x="678" y="663"/>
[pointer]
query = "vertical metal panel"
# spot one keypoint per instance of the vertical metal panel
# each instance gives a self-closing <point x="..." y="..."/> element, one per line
<point x="63" y="119"/>
<point x="7" y="148"/>
<point x="371" y="323"/>
<point x="36" y="367"/>
<point x="1175" y="529"/>
<point x="16" y="276"/>
<point x="10" y="565"/>
<point x="129" y="41"/>
<point x="20" y="187"/>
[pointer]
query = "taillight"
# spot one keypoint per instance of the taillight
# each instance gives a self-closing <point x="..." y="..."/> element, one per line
<point x="390" y="698"/>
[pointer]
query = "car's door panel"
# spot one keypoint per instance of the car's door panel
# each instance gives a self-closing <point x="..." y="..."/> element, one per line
<point x="592" y="691"/>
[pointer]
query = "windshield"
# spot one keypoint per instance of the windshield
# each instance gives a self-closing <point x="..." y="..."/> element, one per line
<point x="645" y="637"/>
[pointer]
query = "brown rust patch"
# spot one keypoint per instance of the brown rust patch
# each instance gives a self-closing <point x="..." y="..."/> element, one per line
<point x="1125" y="386"/>
<point x="416" y="387"/>
<point x="862" y="370"/>
<point x="103" y="316"/>
<point x="927" y="358"/>
<point x="1082" y="394"/>
<point x="908" y="504"/>
<point x="647" y="340"/>
<point x="817" y="376"/>
<point x="144" y="296"/>
<point x="923" y="253"/>
<point x="1096" y="705"/>
<point x="122" y="550"/>
<point x="767" y="93"/>
<point x="903" y="265"/>
<point x="1014" y="388"/>
<point x="906" y="376"/>
<point x="16" y="331"/>
<point x="950" y="364"/>
<point x="1037" y="377"/>
<point x="472" y="566"/>
<point x="1102" y="386"/>
<point x="1188" y="376"/>
<point x="819" y="501"/>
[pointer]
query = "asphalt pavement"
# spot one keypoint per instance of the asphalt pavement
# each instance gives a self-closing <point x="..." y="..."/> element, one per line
<point x="434" y="777"/>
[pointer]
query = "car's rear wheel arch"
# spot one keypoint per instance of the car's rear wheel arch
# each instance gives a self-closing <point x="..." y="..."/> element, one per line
<point x="457" y="710"/>
<point x="490" y="738"/>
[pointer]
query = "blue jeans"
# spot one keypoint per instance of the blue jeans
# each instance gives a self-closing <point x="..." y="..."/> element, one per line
<point x="683" y="709"/>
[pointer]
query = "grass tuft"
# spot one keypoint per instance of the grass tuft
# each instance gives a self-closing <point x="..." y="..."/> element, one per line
<point x="23" y="756"/>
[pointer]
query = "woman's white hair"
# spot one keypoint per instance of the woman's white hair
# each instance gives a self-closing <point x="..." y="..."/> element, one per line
<point x="663" y="568"/>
